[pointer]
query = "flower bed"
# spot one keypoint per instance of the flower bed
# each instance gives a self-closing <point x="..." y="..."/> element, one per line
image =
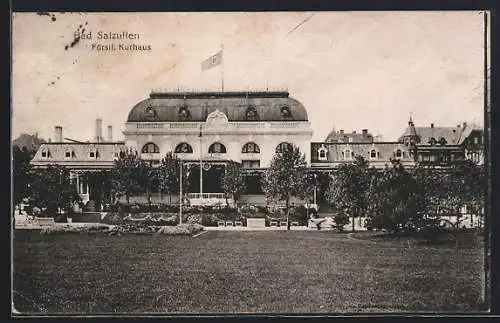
<point x="183" y="229"/>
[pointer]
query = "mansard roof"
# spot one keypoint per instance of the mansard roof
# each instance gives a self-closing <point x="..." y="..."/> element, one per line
<point x="167" y="106"/>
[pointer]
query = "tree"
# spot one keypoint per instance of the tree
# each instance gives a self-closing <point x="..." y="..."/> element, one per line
<point x="446" y="191"/>
<point x="233" y="181"/>
<point x="52" y="189"/>
<point x="286" y="177"/>
<point x="169" y="174"/>
<point x="394" y="195"/>
<point x="21" y="158"/>
<point x="348" y="188"/>
<point x="126" y="175"/>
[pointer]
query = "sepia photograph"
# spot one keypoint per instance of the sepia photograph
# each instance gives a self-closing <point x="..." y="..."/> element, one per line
<point x="243" y="163"/>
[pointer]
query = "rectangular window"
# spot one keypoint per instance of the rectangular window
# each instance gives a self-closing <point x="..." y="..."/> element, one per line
<point x="44" y="154"/>
<point x="91" y="154"/>
<point x="68" y="154"/>
<point x="250" y="163"/>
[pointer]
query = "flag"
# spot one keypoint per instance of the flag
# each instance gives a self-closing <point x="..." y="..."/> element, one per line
<point x="212" y="61"/>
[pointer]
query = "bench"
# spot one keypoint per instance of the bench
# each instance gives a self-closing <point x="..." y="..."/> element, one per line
<point x="295" y="223"/>
<point x="221" y="224"/>
<point x="229" y="223"/>
<point x="238" y="223"/>
<point x="273" y="223"/>
<point x="283" y="223"/>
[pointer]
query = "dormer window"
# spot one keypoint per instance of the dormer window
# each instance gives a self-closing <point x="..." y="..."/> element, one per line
<point x="398" y="153"/>
<point x="46" y="153"/>
<point x="150" y="113"/>
<point x="322" y="153"/>
<point x="93" y="153"/>
<point x="432" y="141"/>
<point x="251" y="113"/>
<point x="184" y="113"/>
<point x="67" y="154"/>
<point x="442" y="141"/>
<point x="374" y="154"/>
<point x="286" y="113"/>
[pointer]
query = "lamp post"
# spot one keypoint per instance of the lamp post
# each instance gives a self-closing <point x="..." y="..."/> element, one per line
<point x="314" y="192"/>
<point x="180" y="192"/>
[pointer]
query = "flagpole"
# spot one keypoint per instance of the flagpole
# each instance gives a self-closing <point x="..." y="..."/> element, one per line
<point x="201" y="163"/>
<point x="222" y="66"/>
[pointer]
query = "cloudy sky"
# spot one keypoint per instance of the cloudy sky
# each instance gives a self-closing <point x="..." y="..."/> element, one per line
<point x="351" y="70"/>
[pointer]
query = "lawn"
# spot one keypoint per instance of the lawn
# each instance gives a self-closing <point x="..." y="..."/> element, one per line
<point x="240" y="272"/>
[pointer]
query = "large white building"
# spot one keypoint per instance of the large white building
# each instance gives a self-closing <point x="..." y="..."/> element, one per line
<point x="245" y="127"/>
<point x="207" y="128"/>
<point x="212" y="128"/>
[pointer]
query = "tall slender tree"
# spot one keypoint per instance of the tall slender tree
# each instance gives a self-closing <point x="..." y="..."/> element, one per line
<point x="348" y="188"/>
<point x="126" y="175"/>
<point x="169" y="174"/>
<point x="286" y="177"/>
<point x="233" y="181"/>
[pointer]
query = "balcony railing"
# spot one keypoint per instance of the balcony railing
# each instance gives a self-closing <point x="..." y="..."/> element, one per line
<point x="205" y="195"/>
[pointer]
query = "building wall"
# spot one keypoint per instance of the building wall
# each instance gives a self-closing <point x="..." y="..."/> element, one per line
<point x="233" y="135"/>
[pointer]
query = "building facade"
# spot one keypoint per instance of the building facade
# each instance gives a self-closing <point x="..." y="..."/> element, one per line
<point x="206" y="130"/>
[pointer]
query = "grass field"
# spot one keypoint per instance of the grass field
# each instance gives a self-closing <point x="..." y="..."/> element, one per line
<point x="243" y="272"/>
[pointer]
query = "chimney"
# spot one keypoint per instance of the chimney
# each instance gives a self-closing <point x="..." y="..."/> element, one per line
<point x="432" y="125"/>
<point x="341" y="131"/>
<point x="354" y="132"/>
<point x="464" y="125"/>
<point x="110" y="133"/>
<point x="98" y="130"/>
<point x="58" y="134"/>
<point x="458" y="126"/>
<point x="365" y="132"/>
<point x="36" y="135"/>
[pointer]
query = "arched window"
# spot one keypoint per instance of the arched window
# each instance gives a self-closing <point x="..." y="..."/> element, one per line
<point x="285" y="112"/>
<point x="250" y="147"/>
<point x="322" y="153"/>
<point x="284" y="146"/>
<point x="251" y="114"/>
<point x="150" y="148"/>
<point x="374" y="154"/>
<point x="217" y="148"/>
<point x="184" y="148"/>
<point x="184" y="113"/>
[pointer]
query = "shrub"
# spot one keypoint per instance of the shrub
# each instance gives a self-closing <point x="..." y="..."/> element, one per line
<point x="183" y="229"/>
<point x="61" y="229"/>
<point x="194" y="218"/>
<point x="112" y="218"/>
<point x="340" y="221"/>
<point x="210" y="220"/>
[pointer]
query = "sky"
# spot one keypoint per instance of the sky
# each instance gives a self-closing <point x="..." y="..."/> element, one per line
<point x="351" y="70"/>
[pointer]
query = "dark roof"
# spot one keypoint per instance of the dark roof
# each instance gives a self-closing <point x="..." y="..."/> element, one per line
<point x="234" y="105"/>
<point x="386" y="150"/>
<point x="79" y="152"/>
<point x="340" y="136"/>
<point x="453" y="135"/>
